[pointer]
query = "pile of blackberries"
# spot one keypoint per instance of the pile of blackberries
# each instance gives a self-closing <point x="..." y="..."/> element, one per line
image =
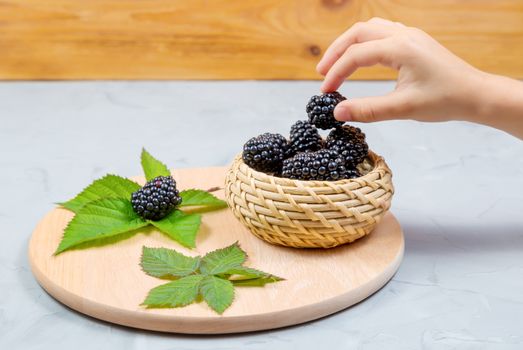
<point x="306" y="155"/>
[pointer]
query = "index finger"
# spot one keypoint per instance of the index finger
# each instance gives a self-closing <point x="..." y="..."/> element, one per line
<point x="358" y="33"/>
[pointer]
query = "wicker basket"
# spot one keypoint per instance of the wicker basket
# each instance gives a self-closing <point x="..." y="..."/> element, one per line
<point x="309" y="214"/>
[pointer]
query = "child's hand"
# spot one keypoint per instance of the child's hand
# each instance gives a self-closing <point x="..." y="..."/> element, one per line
<point x="433" y="84"/>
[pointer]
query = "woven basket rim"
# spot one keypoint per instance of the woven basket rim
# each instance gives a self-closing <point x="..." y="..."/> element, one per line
<point x="377" y="161"/>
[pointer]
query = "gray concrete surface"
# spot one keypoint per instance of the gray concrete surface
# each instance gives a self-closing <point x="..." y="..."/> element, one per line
<point x="459" y="199"/>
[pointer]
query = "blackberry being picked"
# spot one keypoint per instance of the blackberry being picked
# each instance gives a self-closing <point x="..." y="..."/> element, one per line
<point x="320" y="110"/>
<point x="304" y="137"/>
<point x="349" y="142"/>
<point x="266" y="152"/>
<point x="157" y="198"/>
<point x="320" y="165"/>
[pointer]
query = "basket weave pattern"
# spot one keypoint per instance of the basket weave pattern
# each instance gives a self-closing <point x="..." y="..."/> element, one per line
<point x="309" y="214"/>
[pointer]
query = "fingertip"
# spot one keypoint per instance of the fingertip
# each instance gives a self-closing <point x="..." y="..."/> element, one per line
<point x="320" y="68"/>
<point x="342" y="112"/>
<point x="323" y="87"/>
<point x="326" y="89"/>
<point x="329" y="85"/>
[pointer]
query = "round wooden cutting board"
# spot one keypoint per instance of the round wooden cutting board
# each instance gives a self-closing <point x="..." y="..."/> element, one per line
<point x="107" y="283"/>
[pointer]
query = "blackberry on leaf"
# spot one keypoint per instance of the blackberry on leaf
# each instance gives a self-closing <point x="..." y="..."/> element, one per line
<point x="349" y="142"/>
<point x="266" y="152"/>
<point x="304" y="137"/>
<point x="320" y="110"/>
<point x="320" y="165"/>
<point x="157" y="198"/>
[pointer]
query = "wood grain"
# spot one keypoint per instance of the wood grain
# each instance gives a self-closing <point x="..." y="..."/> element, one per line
<point x="233" y="39"/>
<point x="107" y="283"/>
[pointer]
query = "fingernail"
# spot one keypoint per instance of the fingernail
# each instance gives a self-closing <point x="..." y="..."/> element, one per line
<point x="342" y="113"/>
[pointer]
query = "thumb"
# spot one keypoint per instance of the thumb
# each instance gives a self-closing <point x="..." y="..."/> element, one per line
<point x="372" y="109"/>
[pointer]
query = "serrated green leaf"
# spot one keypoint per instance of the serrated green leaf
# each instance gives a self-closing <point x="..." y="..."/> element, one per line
<point x="180" y="226"/>
<point x="250" y="273"/>
<point x="152" y="167"/>
<point x="174" y="294"/>
<point x="163" y="263"/>
<point x="217" y="290"/>
<point x="109" y="186"/>
<point x="251" y="277"/>
<point x="100" y="219"/>
<point x="193" y="197"/>
<point x="222" y="260"/>
<point x="255" y="282"/>
<point x="218" y="293"/>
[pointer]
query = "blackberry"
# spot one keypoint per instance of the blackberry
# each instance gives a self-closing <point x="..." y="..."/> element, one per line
<point x="304" y="137"/>
<point x="320" y="165"/>
<point x="320" y="110"/>
<point x="157" y="198"/>
<point x="266" y="152"/>
<point x="350" y="143"/>
<point x="347" y="133"/>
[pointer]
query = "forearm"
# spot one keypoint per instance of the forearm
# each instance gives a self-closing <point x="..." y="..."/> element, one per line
<point x="499" y="103"/>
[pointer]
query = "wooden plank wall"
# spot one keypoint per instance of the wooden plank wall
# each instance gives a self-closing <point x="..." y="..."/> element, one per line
<point x="233" y="39"/>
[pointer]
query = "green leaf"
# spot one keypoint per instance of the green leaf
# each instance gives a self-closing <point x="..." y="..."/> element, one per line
<point x="246" y="272"/>
<point x="180" y="226"/>
<point x="250" y="273"/>
<point x="217" y="290"/>
<point x="201" y="198"/>
<point x="109" y="186"/>
<point x="100" y="219"/>
<point x="251" y="277"/>
<point x="163" y="263"/>
<point x="222" y="260"/>
<point x="218" y="293"/>
<point x="174" y="294"/>
<point x="255" y="282"/>
<point x="152" y="167"/>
